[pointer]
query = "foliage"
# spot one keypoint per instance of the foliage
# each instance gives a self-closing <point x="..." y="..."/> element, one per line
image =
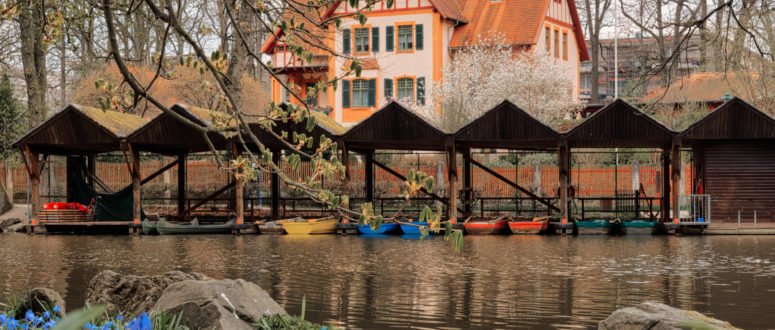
<point x="12" y="120"/>
<point x="89" y="318"/>
<point x="483" y="75"/>
<point x="283" y="321"/>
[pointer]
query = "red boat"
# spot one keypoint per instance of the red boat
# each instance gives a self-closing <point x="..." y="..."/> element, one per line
<point x="487" y="226"/>
<point x="529" y="226"/>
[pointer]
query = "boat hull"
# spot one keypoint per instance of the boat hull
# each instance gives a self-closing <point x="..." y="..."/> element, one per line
<point x="639" y="227"/>
<point x="271" y="227"/>
<point x="149" y="227"/>
<point x="485" y="227"/>
<point x="311" y="227"/>
<point x="384" y="229"/>
<point x="528" y="227"/>
<point x="166" y="228"/>
<point x="596" y="227"/>
<point x="413" y="230"/>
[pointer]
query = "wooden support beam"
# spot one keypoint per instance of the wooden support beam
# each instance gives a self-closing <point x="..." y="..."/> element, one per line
<point x="136" y="186"/>
<point x="563" y="157"/>
<point x="275" y="187"/>
<point x="31" y="164"/>
<point x="403" y="178"/>
<point x="203" y="201"/>
<point x="159" y="172"/>
<point x="676" y="181"/>
<point x="467" y="181"/>
<point x="182" y="175"/>
<point x="346" y="162"/>
<point x="665" y="203"/>
<point x="452" y="182"/>
<point x="91" y="169"/>
<point x="369" y="177"/>
<point x="518" y="187"/>
<point x="239" y="197"/>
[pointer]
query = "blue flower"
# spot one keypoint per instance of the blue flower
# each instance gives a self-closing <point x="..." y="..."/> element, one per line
<point x="56" y="309"/>
<point x="49" y="324"/>
<point x="142" y="322"/>
<point x="120" y="317"/>
<point x="38" y="320"/>
<point x="46" y="314"/>
<point x="29" y="315"/>
<point x="2" y="318"/>
<point x="12" y="324"/>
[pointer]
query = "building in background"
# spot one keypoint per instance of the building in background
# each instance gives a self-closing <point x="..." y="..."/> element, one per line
<point x="404" y="48"/>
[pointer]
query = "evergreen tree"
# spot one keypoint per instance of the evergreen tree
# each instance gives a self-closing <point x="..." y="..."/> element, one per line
<point x="11" y="117"/>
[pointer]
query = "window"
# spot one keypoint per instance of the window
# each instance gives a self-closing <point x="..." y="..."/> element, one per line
<point x="361" y="40"/>
<point x="281" y="48"/>
<point x="548" y="37"/>
<point x="405" y="89"/>
<point x="405" y="37"/>
<point x="556" y="43"/>
<point x="360" y="93"/>
<point x="564" y="45"/>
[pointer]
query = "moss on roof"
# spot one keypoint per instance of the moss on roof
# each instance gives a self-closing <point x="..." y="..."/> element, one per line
<point x="328" y="123"/>
<point x="120" y="124"/>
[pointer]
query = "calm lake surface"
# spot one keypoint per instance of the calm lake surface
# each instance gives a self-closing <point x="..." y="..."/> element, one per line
<point x="378" y="282"/>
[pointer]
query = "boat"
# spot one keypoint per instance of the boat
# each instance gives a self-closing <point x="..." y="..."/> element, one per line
<point x="384" y="229"/>
<point x="598" y="227"/>
<point x="273" y="226"/>
<point x="165" y="227"/>
<point x="499" y="225"/>
<point x="149" y="227"/>
<point x="413" y="227"/>
<point x="529" y="226"/>
<point x="639" y="227"/>
<point x="311" y="226"/>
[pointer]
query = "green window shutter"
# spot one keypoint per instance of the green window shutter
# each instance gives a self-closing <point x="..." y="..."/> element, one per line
<point x="346" y="41"/>
<point x="388" y="88"/>
<point x="418" y="36"/>
<point x="375" y="39"/>
<point x="372" y="92"/>
<point x="389" y="39"/>
<point x="421" y="91"/>
<point x="345" y="93"/>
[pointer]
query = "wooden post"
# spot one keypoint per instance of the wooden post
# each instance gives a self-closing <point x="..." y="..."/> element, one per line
<point x="182" y="175"/>
<point x="369" y="177"/>
<point x="275" y="187"/>
<point x="239" y="193"/>
<point x="698" y="158"/>
<point x="452" y="178"/>
<point x="71" y="163"/>
<point x="346" y="162"/>
<point x="564" y="167"/>
<point x="665" y="207"/>
<point x="136" y="186"/>
<point x="91" y="168"/>
<point x="467" y="181"/>
<point x="676" y="181"/>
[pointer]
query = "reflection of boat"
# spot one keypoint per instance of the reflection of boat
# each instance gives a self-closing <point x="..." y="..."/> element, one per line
<point x="311" y="226"/>
<point x="486" y="226"/>
<point x="413" y="227"/>
<point x="639" y="227"/>
<point x="530" y="226"/>
<point x="599" y="227"/>
<point x="385" y="228"/>
<point x="149" y="227"/>
<point x="168" y="228"/>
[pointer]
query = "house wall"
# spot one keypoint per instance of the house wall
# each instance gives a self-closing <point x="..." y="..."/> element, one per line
<point x="558" y="18"/>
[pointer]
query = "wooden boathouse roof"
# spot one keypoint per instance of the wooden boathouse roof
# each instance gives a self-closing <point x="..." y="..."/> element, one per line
<point x="734" y="120"/>
<point x="620" y="124"/>
<point x="167" y="135"/>
<point x="324" y="126"/>
<point x="77" y="130"/>
<point x="395" y="127"/>
<point x="507" y="126"/>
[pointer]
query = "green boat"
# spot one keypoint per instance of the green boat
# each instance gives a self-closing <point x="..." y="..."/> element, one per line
<point x="639" y="227"/>
<point x="598" y="227"/>
<point x="169" y="228"/>
<point x="149" y="227"/>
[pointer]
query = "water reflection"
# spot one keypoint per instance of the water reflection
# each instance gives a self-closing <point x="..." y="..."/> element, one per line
<point x="370" y="282"/>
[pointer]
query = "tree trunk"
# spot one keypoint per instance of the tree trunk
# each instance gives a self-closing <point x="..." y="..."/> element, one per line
<point x="33" y="53"/>
<point x="238" y="57"/>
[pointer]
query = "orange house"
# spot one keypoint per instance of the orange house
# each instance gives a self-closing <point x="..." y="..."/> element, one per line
<point x="403" y="48"/>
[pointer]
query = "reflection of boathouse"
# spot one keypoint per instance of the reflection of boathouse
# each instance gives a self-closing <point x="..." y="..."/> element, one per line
<point x="730" y="153"/>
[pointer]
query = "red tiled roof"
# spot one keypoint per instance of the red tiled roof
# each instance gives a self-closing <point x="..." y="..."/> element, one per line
<point x="704" y="86"/>
<point x="450" y="9"/>
<point x="518" y="20"/>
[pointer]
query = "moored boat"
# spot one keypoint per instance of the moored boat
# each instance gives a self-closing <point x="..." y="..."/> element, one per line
<point x="169" y="228"/>
<point x="149" y="227"/>
<point x="384" y="229"/>
<point x="311" y="226"/>
<point x="529" y="226"/>
<point x="639" y="227"/>
<point x="413" y="227"/>
<point x="273" y="226"/>
<point x="486" y="226"/>
<point x="598" y="227"/>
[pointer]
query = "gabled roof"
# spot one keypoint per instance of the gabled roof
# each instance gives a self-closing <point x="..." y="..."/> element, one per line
<point x="507" y="126"/>
<point x="166" y="134"/>
<point x="395" y="127"/>
<point x="619" y="124"/>
<point x="518" y="20"/>
<point x="699" y="87"/>
<point x="734" y="120"/>
<point x="324" y="126"/>
<point x="81" y="130"/>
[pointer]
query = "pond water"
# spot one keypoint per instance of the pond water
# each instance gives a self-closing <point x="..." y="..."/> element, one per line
<point x="378" y="282"/>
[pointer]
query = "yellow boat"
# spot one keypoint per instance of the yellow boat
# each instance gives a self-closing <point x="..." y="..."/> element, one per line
<point x="311" y="226"/>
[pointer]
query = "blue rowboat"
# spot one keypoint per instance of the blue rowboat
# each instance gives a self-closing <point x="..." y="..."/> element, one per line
<point x="598" y="227"/>
<point x="411" y="228"/>
<point x="639" y="227"/>
<point x="385" y="228"/>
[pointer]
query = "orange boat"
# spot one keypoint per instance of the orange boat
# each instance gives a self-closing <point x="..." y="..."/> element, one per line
<point x="486" y="226"/>
<point x="529" y="226"/>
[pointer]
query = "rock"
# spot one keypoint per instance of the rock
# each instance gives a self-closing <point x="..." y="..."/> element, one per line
<point x="16" y="228"/>
<point x="223" y="304"/>
<point x="48" y="298"/>
<point x="5" y="223"/>
<point x="130" y="293"/>
<point x="657" y="316"/>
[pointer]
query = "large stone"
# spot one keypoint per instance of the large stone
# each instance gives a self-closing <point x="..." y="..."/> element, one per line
<point x="223" y="304"/>
<point x="45" y="299"/>
<point x="7" y="222"/>
<point x="130" y="293"/>
<point x="657" y="316"/>
<point x="16" y="228"/>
